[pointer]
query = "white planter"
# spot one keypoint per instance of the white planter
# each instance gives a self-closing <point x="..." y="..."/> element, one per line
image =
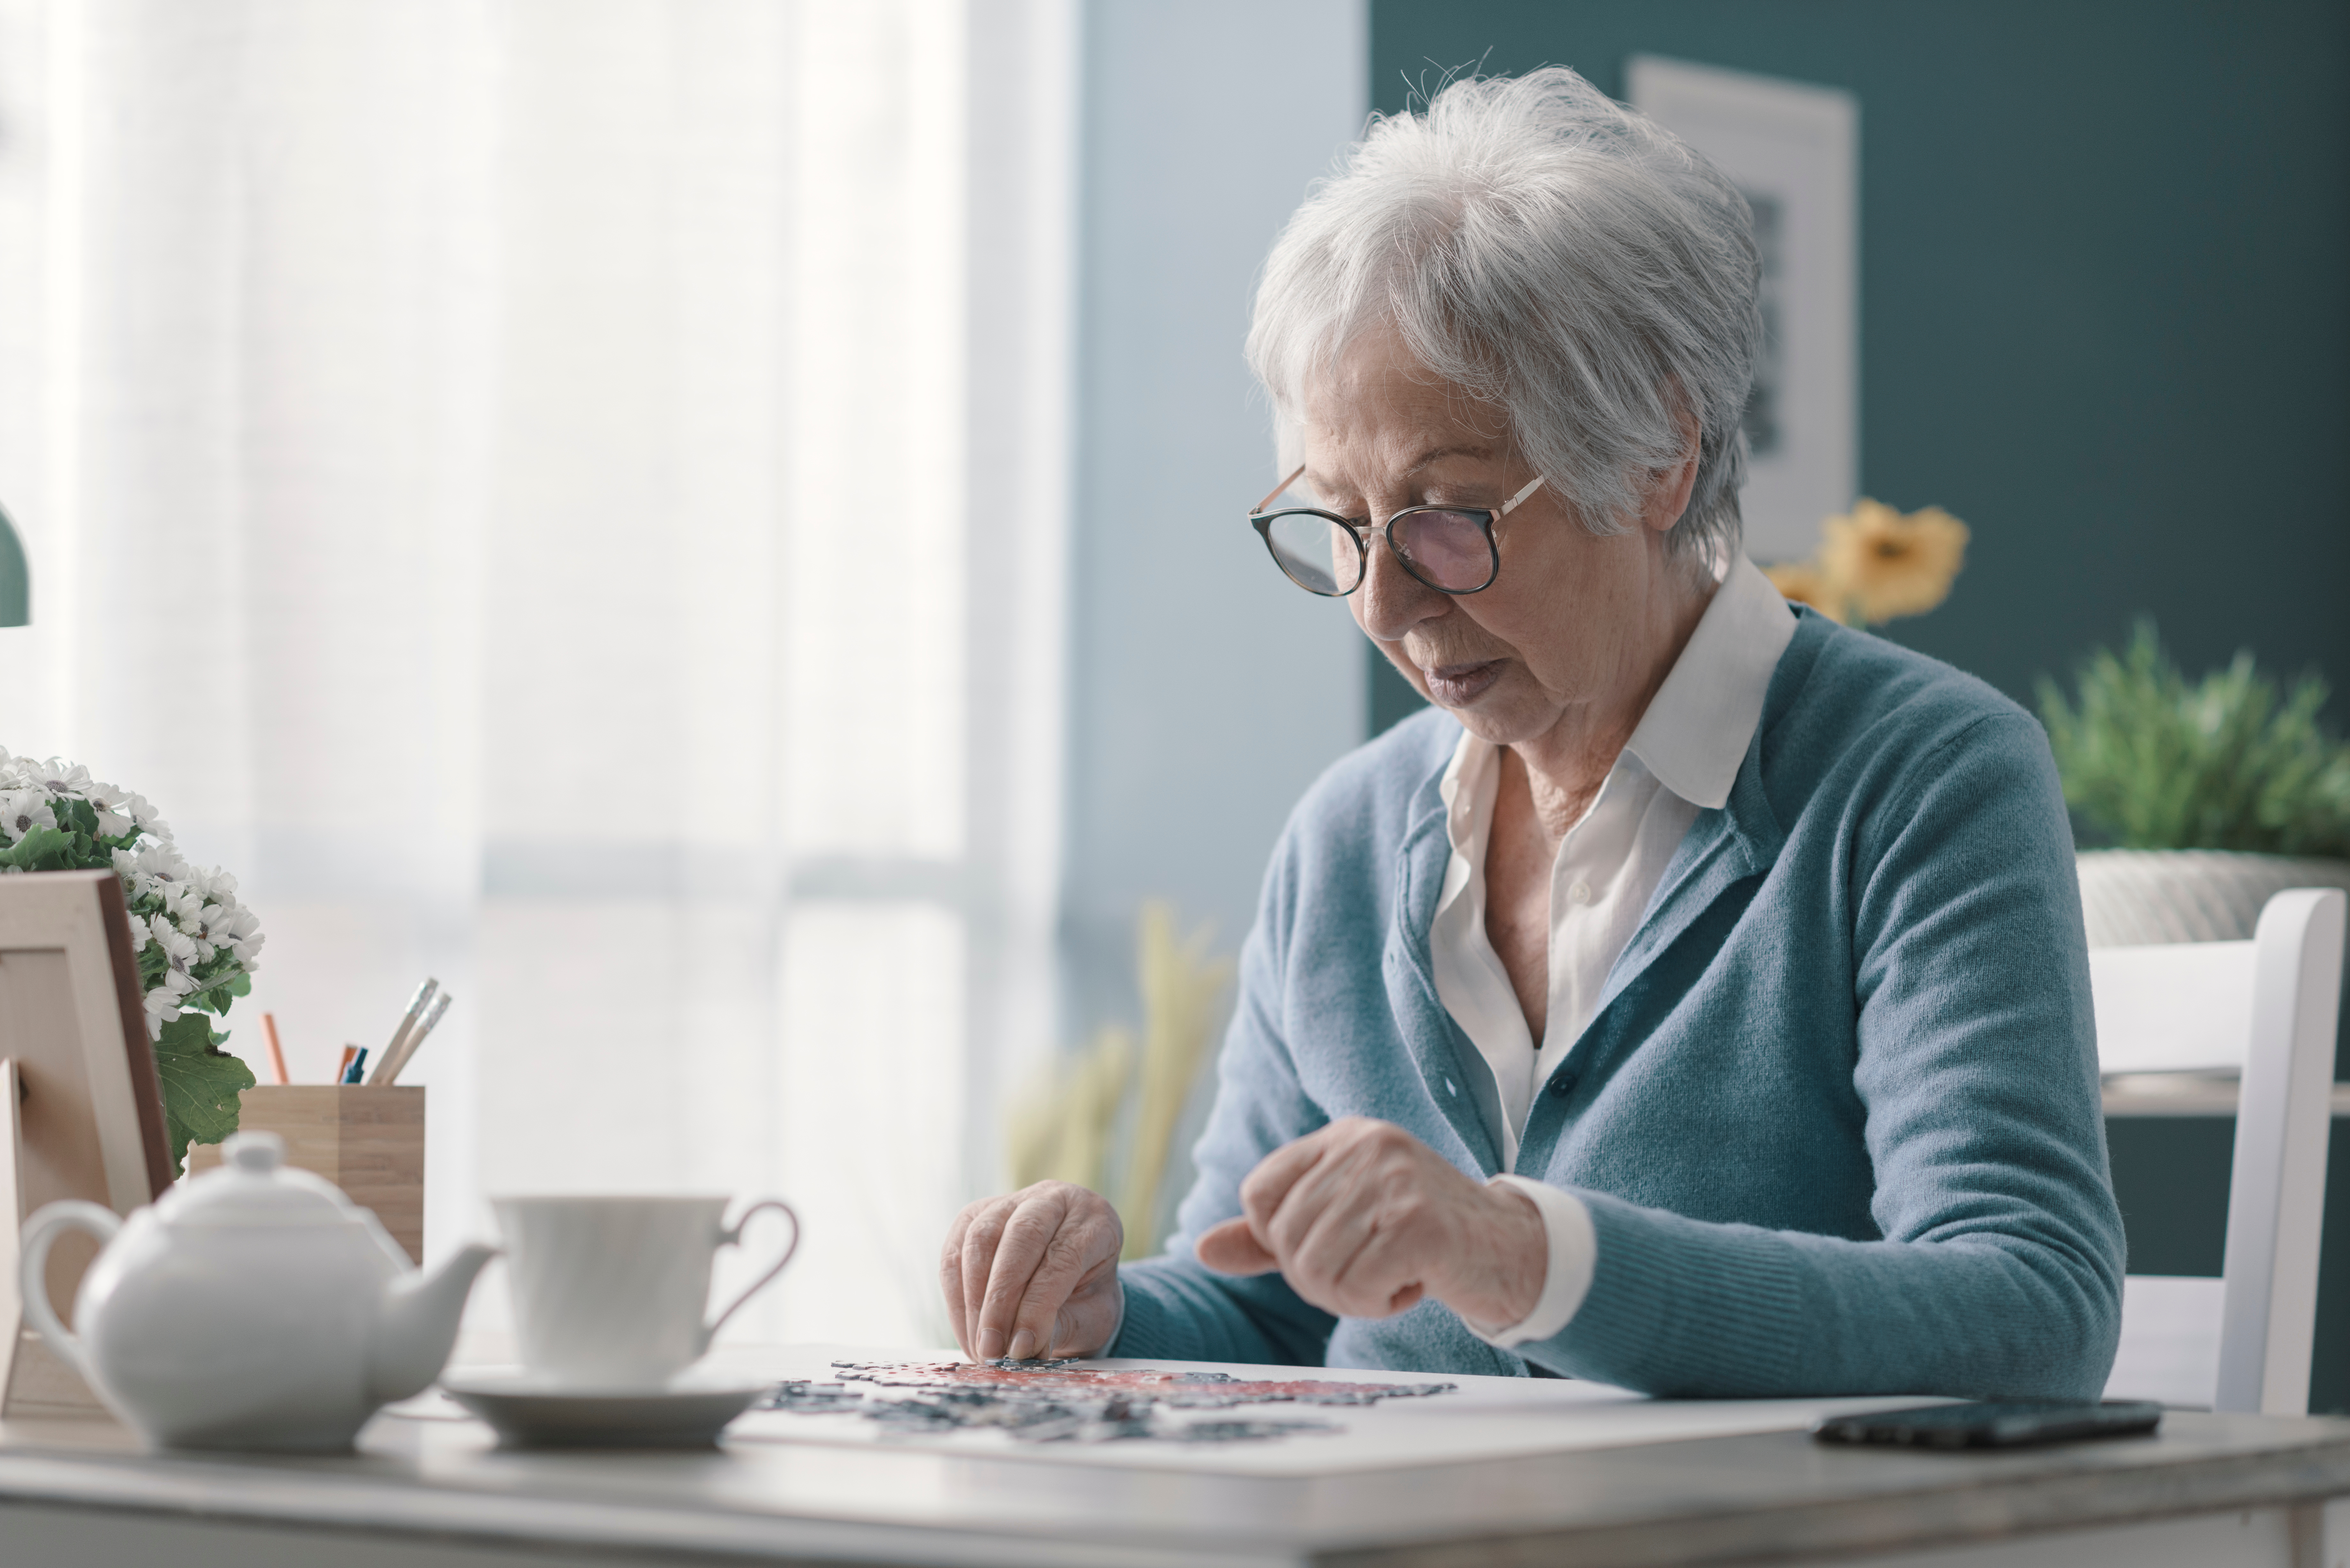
<point x="2135" y="898"/>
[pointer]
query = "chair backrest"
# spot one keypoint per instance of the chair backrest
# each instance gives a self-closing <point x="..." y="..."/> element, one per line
<point x="2268" y="1008"/>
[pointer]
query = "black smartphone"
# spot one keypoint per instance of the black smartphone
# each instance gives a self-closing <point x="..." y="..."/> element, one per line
<point x="1992" y="1424"/>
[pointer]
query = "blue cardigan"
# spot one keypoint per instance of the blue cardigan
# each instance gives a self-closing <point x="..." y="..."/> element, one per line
<point x="1836" y="1119"/>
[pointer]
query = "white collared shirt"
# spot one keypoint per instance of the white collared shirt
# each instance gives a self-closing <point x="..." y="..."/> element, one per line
<point x="1682" y="758"/>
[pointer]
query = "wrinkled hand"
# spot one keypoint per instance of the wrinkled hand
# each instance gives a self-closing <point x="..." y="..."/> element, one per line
<point x="1363" y="1220"/>
<point x="1033" y="1273"/>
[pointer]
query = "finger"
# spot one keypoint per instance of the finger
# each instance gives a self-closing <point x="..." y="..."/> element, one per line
<point x="1384" y="1275"/>
<point x="1314" y="1261"/>
<point x="1262" y="1189"/>
<point x="951" y="1277"/>
<point x="1077" y="1250"/>
<point x="1343" y="1179"/>
<point x="1027" y="1233"/>
<point x="978" y="1244"/>
<point x="1084" y="1324"/>
<point x="1232" y="1248"/>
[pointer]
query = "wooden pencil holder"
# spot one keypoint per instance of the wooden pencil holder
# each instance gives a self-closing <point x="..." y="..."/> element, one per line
<point x="368" y="1139"/>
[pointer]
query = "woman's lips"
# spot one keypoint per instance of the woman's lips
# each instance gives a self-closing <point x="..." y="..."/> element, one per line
<point x="1458" y="685"/>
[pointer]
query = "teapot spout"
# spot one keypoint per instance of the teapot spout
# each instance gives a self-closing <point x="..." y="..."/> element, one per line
<point x="417" y="1325"/>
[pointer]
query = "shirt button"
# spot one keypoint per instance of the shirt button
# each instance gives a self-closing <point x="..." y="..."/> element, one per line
<point x="1580" y="892"/>
<point x="1562" y="1085"/>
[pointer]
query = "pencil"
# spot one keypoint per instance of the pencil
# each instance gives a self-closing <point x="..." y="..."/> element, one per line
<point x="276" y="1054"/>
<point x="344" y="1065"/>
<point x="388" y="1070"/>
<point x="407" y="1025"/>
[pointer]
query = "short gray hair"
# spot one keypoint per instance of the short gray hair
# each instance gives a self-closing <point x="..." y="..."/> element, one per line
<point x="1556" y="254"/>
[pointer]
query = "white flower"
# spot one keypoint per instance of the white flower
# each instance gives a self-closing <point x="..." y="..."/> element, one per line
<point x="21" y="811"/>
<point x="223" y="925"/>
<point x="143" y="812"/>
<point x="103" y="798"/>
<point x="177" y="946"/>
<point x="214" y="884"/>
<point x="61" y="777"/>
<point x="162" y="1007"/>
<point x="159" y="870"/>
<point x="162" y="1003"/>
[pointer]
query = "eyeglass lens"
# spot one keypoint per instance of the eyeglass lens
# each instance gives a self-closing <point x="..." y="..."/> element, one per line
<point x="1319" y="554"/>
<point x="1446" y="550"/>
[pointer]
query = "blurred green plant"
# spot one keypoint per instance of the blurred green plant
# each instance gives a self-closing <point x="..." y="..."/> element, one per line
<point x="2152" y="761"/>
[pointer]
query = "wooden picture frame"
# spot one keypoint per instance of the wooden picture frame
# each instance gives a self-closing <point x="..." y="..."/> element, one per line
<point x="83" y="1114"/>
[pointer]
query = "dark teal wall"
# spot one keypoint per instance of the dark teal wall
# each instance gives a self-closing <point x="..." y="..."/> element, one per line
<point x="2105" y="246"/>
<point x="2105" y="318"/>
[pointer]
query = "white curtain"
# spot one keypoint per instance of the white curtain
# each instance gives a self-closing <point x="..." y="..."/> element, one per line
<point x="569" y="495"/>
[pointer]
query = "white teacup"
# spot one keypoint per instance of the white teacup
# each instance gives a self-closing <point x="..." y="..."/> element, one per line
<point x="610" y="1293"/>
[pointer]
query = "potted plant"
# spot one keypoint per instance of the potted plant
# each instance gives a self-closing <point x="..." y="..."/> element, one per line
<point x="196" y="944"/>
<point x="2214" y="796"/>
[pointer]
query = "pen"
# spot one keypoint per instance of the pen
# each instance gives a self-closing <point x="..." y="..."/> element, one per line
<point x="351" y="1073"/>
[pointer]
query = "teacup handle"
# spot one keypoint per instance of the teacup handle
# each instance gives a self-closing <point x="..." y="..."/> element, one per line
<point x="41" y="1233"/>
<point x="732" y="1237"/>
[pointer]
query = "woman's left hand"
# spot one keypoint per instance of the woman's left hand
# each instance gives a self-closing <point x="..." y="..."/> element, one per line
<point x="1363" y="1220"/>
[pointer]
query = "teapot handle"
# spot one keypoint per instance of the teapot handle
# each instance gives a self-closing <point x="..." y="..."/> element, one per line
<point x="41" y="1233"/>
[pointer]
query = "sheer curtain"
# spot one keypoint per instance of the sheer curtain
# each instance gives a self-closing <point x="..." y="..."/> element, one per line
<point x="569" y="495"/>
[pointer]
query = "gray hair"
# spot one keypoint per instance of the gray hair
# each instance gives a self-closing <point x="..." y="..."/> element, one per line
<point x="1551" y="252"/>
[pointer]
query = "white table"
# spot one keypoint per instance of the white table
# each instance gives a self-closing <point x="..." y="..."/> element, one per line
<point x="2207" y="1489"/>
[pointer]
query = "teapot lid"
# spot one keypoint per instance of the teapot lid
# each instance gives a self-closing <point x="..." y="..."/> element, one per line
<point x="254" y="1186"/>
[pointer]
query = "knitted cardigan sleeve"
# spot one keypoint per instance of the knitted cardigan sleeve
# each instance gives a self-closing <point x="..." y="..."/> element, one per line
<point x="1998" y="1269"/>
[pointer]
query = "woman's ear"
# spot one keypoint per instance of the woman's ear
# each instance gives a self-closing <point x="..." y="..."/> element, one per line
<point x="1669" y="489"/>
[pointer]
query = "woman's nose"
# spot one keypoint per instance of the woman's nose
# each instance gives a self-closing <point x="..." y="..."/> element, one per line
<point x="1392" y="601"/>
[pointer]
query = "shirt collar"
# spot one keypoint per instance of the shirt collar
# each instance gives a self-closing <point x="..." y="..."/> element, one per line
<point x="1697" y="726"/>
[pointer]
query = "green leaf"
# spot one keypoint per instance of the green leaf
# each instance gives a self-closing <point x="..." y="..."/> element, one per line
<point x="200" y="1085"/>
<point x="42" y="849"/>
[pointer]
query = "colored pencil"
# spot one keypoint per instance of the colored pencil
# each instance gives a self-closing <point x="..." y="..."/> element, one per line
<point x="276" y="1053"/>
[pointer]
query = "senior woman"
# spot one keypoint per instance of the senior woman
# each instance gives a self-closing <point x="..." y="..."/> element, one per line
<point x="1696" y="1000"/>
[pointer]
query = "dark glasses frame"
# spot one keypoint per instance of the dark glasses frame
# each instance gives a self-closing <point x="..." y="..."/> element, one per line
<point x="1359" y="529"/>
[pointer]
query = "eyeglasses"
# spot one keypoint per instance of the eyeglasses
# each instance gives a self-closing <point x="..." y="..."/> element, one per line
<point x="1450" y="548"/>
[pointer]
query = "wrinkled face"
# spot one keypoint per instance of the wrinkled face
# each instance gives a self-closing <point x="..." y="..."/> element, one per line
<point x="1574" y="627"/>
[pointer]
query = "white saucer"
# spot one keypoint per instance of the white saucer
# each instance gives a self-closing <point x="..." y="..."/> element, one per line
<point x="530" y="1412"/>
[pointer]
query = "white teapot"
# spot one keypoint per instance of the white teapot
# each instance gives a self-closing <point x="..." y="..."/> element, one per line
<point x="254" y="1307"/>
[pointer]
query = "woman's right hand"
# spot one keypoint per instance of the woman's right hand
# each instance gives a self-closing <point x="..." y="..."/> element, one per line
<point x="1033" y="1274"/>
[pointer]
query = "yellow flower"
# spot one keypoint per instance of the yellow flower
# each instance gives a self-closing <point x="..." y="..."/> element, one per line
<point x="1804" y="582"/>
<point x="1888" y="566"/>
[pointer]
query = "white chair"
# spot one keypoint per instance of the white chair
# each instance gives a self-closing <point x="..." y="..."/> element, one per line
<point x="2266" y="1008"/>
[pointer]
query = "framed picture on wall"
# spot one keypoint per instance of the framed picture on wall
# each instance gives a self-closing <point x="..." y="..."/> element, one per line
<point x="1794" y="149"/>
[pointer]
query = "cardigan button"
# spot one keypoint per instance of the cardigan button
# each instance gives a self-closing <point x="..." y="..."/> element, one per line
<point x="1562" y="1085"/>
